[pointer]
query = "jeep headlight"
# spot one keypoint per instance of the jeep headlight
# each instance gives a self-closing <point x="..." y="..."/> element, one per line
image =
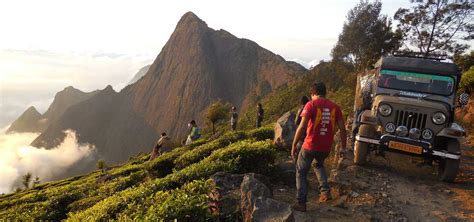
<point x="385" y="110"/>
<point x="401" y="131"/>
<point x="438" y="118"/>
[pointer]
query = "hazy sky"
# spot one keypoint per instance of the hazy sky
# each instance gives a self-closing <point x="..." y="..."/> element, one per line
<point x="48" y="45"/>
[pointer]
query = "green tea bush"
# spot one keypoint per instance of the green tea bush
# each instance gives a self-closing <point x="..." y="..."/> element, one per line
<point x="188" y="203"/>
<point x="241" y="157"/>
<point x="262" y="133"/>
<point x="164" y="164"/>
<point x="200" y="152"/>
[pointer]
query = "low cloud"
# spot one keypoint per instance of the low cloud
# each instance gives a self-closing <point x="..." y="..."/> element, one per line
<point x="17" y="158"/>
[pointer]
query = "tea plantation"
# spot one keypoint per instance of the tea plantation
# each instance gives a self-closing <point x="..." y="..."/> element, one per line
<point x="174" y="186"/>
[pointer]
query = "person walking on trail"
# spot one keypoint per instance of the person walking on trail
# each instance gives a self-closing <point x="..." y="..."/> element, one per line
<point x="162" y="146"/>
<point x="320" y="118"/>
<point x="259" y="115"/>
<point x="233" y="118"/>
<point x="303" y="102"/>
<point x="194" y="132"/>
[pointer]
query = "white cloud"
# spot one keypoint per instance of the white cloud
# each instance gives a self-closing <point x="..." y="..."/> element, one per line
<point x="18" y="158"/>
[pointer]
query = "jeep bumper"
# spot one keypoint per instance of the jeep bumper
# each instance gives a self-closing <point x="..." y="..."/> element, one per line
<point x="386" y="143"/>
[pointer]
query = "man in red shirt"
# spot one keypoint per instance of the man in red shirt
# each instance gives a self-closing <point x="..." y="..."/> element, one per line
<point x="320" y="118"/>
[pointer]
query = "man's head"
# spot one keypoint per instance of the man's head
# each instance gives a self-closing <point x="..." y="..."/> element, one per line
<point x="163" y="134"/>
<point x="192" y="123"/>
<point x="318" y="89"/>
<point x="234" y="108"/>
<point x="259" y="105"/>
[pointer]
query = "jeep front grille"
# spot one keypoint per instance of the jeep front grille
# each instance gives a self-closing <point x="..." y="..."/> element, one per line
<point x="410" y="119"/>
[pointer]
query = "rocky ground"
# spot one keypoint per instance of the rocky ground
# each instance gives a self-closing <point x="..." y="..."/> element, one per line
<point x="394" y="188"/>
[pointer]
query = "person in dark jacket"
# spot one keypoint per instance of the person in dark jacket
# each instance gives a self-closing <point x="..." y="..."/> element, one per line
<point x="303" y="102"/>
<point x="259" y="115"/>
<point x="233" y="118"/>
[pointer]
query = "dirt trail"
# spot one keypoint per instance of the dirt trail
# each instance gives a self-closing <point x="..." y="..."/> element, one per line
<point x="394" y="188"/>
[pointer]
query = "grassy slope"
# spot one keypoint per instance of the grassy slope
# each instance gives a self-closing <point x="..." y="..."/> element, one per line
<point x="178" y="179"/>
<point x="339" y="79"/>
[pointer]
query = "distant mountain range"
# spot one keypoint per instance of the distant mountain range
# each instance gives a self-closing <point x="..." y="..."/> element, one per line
<point x="32" y="121"/>
<point x="197" y="66"/>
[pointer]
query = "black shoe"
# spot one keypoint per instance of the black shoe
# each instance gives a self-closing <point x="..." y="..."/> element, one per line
<point x="299" y="207"/>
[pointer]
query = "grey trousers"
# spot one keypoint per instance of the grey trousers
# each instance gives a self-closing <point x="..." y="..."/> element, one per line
<point x="303" y="164"/>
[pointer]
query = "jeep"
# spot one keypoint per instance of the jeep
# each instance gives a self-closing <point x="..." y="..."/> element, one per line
<point x="406" y="105"/>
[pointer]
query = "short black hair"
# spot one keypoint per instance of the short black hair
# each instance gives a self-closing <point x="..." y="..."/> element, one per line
<point x="304" y="100"/>
<point x="193" y="122"/>
<point x="259" y="104"/>
<point x="163" y="134"/>
<point x="318" y="88"/>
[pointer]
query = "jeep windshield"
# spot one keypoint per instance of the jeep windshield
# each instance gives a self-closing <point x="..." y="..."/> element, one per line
<point x="416" y="82"/>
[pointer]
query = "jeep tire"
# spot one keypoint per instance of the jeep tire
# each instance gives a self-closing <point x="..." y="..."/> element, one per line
<point x="448" y="168"/>
<point x="361" y="149"/>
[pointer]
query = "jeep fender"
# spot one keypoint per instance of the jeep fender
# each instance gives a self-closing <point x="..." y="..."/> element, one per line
<point x="366" y="117"/>
<point x="454" y="130"/>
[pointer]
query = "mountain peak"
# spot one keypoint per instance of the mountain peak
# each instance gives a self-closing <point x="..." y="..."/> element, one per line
<point x="189" y="19"/>
<point x="109" y="88"/>
<point x="32" y="109"/>
<point x="27" y="122"/>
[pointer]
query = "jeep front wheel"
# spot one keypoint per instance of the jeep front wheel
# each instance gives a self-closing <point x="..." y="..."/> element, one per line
<point x="448" y="168"/>
<point x="361" y="149"/>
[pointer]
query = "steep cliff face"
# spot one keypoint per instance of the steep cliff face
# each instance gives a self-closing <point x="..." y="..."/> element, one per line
<point x="196" y="67"/>
<point x="29" y="121"/>
<point x="199" y="65"/>
<point x="38" y="123"/>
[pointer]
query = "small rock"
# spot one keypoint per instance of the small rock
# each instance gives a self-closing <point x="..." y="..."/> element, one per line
<point x="392" y="212"/>
<point x="388" y="186"/>
<point x="282" y="190"/>
<point x="353" y="194"/>
<point x="448" y="191"/>
<point x="384" y="195"/>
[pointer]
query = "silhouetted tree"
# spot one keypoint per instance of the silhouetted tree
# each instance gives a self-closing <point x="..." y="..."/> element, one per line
<point x="366" y="36"/>
<point x="464" y="61"/>
<point x="436" y="26"/>
<point x="101" y="165"/>
<point x="215" y="112"/>
<point x="26" y="179"/>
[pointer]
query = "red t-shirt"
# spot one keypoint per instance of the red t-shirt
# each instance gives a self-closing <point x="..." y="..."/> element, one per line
<point x="323" y="116"/>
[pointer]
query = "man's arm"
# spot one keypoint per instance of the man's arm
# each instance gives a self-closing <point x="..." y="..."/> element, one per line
<point x="299" y="132"/>
<point x="342" y="132"/>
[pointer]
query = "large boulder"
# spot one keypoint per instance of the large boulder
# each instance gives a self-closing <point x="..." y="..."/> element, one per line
<point x="257" y="204"/>
<point x="285" y="129"/>
<point x="227" y="195"/>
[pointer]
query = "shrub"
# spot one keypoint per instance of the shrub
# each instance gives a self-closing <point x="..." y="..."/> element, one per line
<point x="262" y="133"/>
<point x="164" y="164"/>
<point x="467" y="80"/>
<point x="205" y="150"/>
<point x="239" y="157"/>
<point x="189" y="202"/>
